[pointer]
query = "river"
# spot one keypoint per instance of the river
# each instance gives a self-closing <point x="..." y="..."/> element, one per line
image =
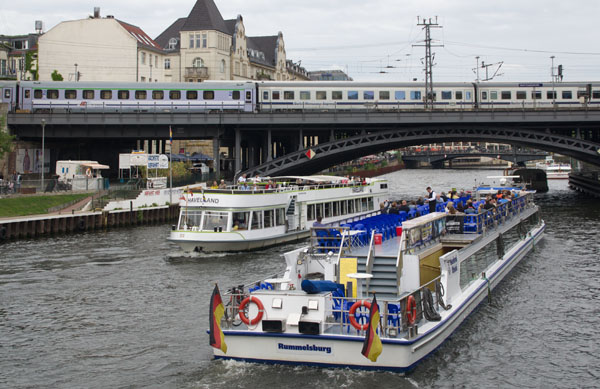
<point x="122" y="309"/>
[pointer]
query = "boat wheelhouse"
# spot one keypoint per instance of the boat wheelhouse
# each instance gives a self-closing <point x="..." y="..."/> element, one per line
<point x="270" y="211"/>
<point x="427" y="280"/>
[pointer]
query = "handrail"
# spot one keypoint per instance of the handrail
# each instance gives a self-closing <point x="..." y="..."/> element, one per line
<point x="370" y="258"/>
<point x="400" y="256"/>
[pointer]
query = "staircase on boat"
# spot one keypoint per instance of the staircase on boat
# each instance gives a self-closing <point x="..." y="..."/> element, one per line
<point x="384" y="282"/>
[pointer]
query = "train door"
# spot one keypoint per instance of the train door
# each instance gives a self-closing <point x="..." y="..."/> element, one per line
<point x="25" y="99"/>
<point x="249" y="101"/>
<point x="8" y="96"/>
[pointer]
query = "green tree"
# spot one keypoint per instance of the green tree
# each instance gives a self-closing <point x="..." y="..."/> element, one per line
<point x="30" y="57"/>
<point x="56" y="76"/>
<point x="5" y="138"/>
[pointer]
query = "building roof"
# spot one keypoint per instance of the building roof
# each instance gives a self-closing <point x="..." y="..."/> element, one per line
<point x="265" y="45"/>
<point x="230" y="25"/>
<point x="205" y="16"/>
<point x="171" y="32"/>
<point x="139" y="34"/>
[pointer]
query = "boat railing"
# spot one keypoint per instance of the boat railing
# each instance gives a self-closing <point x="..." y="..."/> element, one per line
<point x="334" y="239"/>
<point x="370" y="258"/>
<point x="251" y="188"/>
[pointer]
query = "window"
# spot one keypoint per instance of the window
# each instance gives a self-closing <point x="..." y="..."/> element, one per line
<point x="241" y="219"/>
<point x="327" y="210"/>
<point x="191" y="41"/>
<point x="415" y="95"/>
<point x="208" y="95"/>
<point x="521" y="95"/>
<point x="581" y="93"/>
<point x="596" y="94"/>
<point x="123" y="95"/>
<point x="88" y="94"/>
<point x="244" y="70"/>
<point x="236" y="68"/>
<point x="384" y="95"/>
<point x="304" y="95"/>
<point x="280" y="216"/>
<point x="156" y="61"/>
<point x="158" y="95"/>
<point x="257" y="220"/>
<point x="106" y="94"/>
<point x="321" y="95"/>
<point x="446" y="95"/>
<point x="204" y="40"/>
<point x="468" y="96"/>
<point x="70" y="94"/>
<point x="269" y="218"/>
<point x="310" y="212"/>
<point x="143" y="58"/>
<point x="551" y="94"/>
<point x="222" y="66"/>
<point x="536" y="95"/>
<point x="484" y="95"/>
<point x="27" y="93"/>
<point x="368" y="95"/>
<point x="191" y="95"/>
<point x="140" y="95"/>
<point x="494" y="95"/>
<point x="275" y="95"/>
<point x="172" y="43"/>
<point x="197" y="62"/>
<point x="235" y="95"/>
<point x="197" y="41"/>
<point x="567" y="94"/>
<point x="52" y="94"/>
<point x="214" y="220"/>
<point x="288" y="95"/>
<point x="167" y="63"/>
<point x="266" y="95"/>
<point x="457" y="95"/>
<point x="248" y="96"/>
<point x="174" y="95"/>
<point x="37" y="94"/>
<point x="400" y="95"/>
<point x="506" y="95"/>
<point x="143" y="79"/>
<point x="336" y="95"/>
<point x="352" y="95"/>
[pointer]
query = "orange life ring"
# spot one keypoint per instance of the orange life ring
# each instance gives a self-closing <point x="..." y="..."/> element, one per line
<point x="353" y="308"/>
<point x="261" y="310"/>
<point x="88" y="172"/>
<point x="411" y="310"/>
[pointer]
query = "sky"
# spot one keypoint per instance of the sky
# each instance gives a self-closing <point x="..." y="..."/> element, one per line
<point x="374" y="40"/>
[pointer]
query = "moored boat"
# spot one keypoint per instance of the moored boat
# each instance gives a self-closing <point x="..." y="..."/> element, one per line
<point x="427" y="279"/>
<point x="555" y="171"/>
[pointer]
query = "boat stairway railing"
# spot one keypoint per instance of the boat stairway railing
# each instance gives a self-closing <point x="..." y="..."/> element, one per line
<point x="335" y="239"/>
<point x="370" y="259"/>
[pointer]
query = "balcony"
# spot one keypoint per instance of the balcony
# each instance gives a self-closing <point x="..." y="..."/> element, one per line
<point x="200" y="72"/>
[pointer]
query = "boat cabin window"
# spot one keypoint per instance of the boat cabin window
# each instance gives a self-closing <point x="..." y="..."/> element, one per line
<point x="336" y="208"/>
<point x="344" y="207"/>
<point x="190" y="220"/>
<point x="357" y="207"/>
<point x="310" y="210"/>
<point x="257" y="220"/>
<point x="280" y="216"/>
<point x="327" y="210"/>
<point x="269" y="218"/>
<point x="240" y="220"/>
<point x="213" y="219"/>
<point x="350" y="206"/>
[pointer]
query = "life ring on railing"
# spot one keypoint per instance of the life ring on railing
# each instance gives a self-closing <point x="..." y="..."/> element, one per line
<point x="353" y="308"/>
<point x="261" y="310"/>
<point x="88" y="172"/>
<point x="411" y="310"/>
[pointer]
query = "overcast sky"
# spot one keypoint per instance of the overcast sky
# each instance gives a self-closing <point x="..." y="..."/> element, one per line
<point x="368" y="37"/>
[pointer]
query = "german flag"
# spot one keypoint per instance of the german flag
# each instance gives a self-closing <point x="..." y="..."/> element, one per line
<point x="217" y="339"/>
<point x="372" y="346"/>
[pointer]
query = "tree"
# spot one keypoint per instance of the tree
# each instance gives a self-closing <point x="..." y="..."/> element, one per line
<point x="30" y="59"/>
<point x="5" y="139"/>
<point x="56" y="76"/>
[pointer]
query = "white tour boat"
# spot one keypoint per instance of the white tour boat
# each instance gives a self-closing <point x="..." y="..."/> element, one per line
<point x="427" y="280"/>
<point x="555" y="171"/>
<point x="271" y="211"/>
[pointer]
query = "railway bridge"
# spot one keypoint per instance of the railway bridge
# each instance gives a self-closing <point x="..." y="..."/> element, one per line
<point x="275" y="143"/>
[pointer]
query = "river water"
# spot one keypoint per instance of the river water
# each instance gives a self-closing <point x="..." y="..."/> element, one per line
<point x="123" y="309"/>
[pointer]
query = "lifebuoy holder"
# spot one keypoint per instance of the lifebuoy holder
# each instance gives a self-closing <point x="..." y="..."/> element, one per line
<point x="261" y="310"/>
<point x="352" y="314"/>
<point x="88" y="172"/>
<point x="411" y="310"/>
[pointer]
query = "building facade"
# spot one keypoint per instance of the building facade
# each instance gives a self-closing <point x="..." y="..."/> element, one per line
<point x="18" y="56"/>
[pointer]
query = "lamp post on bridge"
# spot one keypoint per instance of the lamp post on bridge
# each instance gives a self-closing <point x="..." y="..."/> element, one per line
<point x="43" y="156"/>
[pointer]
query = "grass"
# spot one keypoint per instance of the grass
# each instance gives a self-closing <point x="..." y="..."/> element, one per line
<point x="35" y="205"/>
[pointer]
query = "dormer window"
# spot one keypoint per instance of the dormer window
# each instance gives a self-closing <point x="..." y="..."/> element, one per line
<point x="172" y="43"/>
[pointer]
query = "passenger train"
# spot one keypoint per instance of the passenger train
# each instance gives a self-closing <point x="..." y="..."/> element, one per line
<point x="268" y="96"/>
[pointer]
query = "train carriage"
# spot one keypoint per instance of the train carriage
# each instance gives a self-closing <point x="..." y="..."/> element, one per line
<point x="9" y="92"/>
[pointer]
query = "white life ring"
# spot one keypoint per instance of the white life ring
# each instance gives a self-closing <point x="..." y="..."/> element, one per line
<point x="88" y="172"/>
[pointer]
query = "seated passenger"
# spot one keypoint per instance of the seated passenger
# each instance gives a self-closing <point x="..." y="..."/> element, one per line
<point x="404" y="207"/>
<point x="450" y="208"/>
<point x="222" y="185"/>
<point x="214" y="185"/>
<point x="318" y="222"/>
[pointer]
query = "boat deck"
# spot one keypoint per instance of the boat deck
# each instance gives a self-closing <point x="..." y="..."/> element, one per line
<point x="389" y="248"/>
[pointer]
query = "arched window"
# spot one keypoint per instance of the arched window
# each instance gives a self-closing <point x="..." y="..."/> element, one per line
<point x="198" y="62"/>
<point x="222" y="66"/>
<point x="172" y="43"/>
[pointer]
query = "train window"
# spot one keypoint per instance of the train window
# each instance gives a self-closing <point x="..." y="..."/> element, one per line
<point x="457" y="95"/>
<point x="567" y="94"/>
<point x="468" y="95"/>
<point x="483" y="95"/>
<point x="304" y="95"/>
<point x="321" y="95"/>
<point x="88" y="94"/>
<point x="191" y="95"/>
<point x="208" y="95"/>
<point x="596" y="94"/>
<point x="536" y="95"/>
<point x="400" y="95"/>
<point x="236" y="95"/>
<point x="106" y="94"/>
<point x="158" y="95"/>
<point x="352" y="95"/>
<point x="248" y="96"/>
<point x="551" y="94"/>
<point x="175" y="95"/>
<point x="368" y="95"/>
<point x="336" y="95"/>
<point x="415" y="95"/>
<point x="288" y="95"/>
<point x="52" y="94"/>
<point x="140" y="95"/>
<point x="384" y="95"/>
<point x="494" y="95"/>
<point x="266" y="95"/>
<point x="123" y="95"/>
<point x="27" y="93"/>
<point x="275" y="95"/>
<point x="70" y="94"/>
<point x="521" y="95"/>
<point x="506" y="95"/>
<point x="7" y="93"/>
<point x="37" y="94"/>
<point x="446" y="95"/>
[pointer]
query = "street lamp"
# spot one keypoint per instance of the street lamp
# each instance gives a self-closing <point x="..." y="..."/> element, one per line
<point x="76" y="74"/>
<point x="43" y="157"/>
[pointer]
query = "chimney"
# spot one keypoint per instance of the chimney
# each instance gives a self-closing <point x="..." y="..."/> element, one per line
<point x="96" y="12"/>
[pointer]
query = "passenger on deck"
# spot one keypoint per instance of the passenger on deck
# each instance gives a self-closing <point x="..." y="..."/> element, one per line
<point x="470" y="209"/>
<point x="420" y="201"/>
<point x="444" y="197"/>
<point x="318" y="222"/>
<point x="450" y="208"/>
<point x="404" y="207"/>
<point x="222" y="185"/>
<point x="384" y="207"/>
<point x="431" y="199"/>
<point x="242" y="179"/>
<point x="214" y="185"/>
<point x="413" y="205"/>
<point x="394" y="209"/>
<point x="459" y="207"/>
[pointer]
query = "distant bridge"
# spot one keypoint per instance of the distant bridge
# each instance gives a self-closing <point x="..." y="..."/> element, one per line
<point x="438" y="158"/>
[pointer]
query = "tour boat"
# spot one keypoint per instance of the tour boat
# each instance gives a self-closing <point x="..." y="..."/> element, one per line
<point x="270" y="211"/>
<point x="427" y="275"/>
<point x="555" y="171"/>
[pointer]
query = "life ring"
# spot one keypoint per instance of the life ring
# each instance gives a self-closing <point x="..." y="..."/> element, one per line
<point x="411" y="310"/>
<point x="88" y="172"/>
<point x="353" y="308"/>
<point x="261" y="310"/>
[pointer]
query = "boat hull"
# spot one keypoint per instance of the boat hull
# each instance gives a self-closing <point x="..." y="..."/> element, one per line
<point x="232" y="242"/>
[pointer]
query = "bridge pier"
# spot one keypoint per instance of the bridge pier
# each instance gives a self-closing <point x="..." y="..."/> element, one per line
<point x="238" y="151"/>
